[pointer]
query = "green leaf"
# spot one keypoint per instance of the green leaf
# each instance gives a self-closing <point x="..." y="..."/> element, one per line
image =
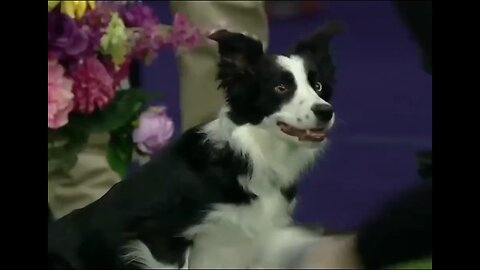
<point x="115" y="41"/>
<point x="120" y="150"/>
<point x="127" y="105"/>
<point x="63" y="148"/>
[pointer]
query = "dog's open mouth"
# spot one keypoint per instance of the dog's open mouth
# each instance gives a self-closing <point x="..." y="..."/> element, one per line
<point x="314" y="134"/>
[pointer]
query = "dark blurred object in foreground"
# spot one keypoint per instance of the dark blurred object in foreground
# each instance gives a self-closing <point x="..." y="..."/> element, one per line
<point x="403" y="230"/>
<point x="417" y="16"/>
<point x="401" y="233"/>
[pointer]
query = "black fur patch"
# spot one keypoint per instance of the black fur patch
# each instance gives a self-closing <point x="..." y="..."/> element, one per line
<point x="158" y="203"/>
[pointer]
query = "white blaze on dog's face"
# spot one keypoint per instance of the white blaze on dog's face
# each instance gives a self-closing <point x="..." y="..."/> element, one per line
<point x="303" y="117"/>
<point x="287" y="95"/>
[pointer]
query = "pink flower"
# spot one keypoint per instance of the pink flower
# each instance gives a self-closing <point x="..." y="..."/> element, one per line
<point x="92" y="86"/>
<point x="183" y="33"/>
<point x="154" y="130"/>
<point x="60" y="97"/>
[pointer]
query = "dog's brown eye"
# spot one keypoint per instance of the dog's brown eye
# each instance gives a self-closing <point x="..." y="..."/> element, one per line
<point x="280" y="89"/>
<point x="318" y="87"/>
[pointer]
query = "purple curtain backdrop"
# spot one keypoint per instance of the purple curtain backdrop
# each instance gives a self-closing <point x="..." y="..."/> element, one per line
<point x="383" y="103"/>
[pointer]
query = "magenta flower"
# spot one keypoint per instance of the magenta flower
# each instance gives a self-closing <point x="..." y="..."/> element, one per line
<point x="154" y="130"/>
<point x="183" y="33"/>
<point x="65" y="37"/>
<point x="147" y="43"/>
<point x="193" y="40"/>
<point x="120" y="74"/>
<point x="92" y="85"/>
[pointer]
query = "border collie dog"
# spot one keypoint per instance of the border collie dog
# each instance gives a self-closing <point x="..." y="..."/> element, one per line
<point x="217" y="192"/>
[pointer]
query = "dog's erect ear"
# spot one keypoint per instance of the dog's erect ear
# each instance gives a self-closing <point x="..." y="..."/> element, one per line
<point x="319" y="41"/>
<point x="239" y="49"/>
<point x="317" y="48"/>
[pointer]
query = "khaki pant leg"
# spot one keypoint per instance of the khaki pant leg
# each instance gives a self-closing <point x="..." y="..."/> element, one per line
<point x="199" y="98"/>
<point x="90" y="179"/>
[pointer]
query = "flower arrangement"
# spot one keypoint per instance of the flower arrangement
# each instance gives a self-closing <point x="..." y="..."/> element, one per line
<point x="91" y="46"/>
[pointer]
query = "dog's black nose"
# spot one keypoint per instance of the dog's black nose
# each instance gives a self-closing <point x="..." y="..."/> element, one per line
<point x="322" y="111"/>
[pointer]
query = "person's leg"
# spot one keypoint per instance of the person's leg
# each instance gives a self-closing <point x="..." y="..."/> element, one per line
<point x="200" y="99"/>
<point x="90" y="179"/>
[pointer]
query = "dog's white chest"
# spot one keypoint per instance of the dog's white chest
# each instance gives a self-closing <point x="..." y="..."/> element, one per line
<point x="229" y="234"/>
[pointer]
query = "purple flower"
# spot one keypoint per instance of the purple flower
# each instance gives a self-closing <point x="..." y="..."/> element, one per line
<point x="138" y="15"/>
<point x="154" y="130"/>
<point x="95" y="21"/>
<point x="64" y="35"/>
<point x="147" y="37"/>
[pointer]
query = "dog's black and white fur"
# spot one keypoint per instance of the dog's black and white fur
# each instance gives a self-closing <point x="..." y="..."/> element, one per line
<point x="215" y="194"/>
